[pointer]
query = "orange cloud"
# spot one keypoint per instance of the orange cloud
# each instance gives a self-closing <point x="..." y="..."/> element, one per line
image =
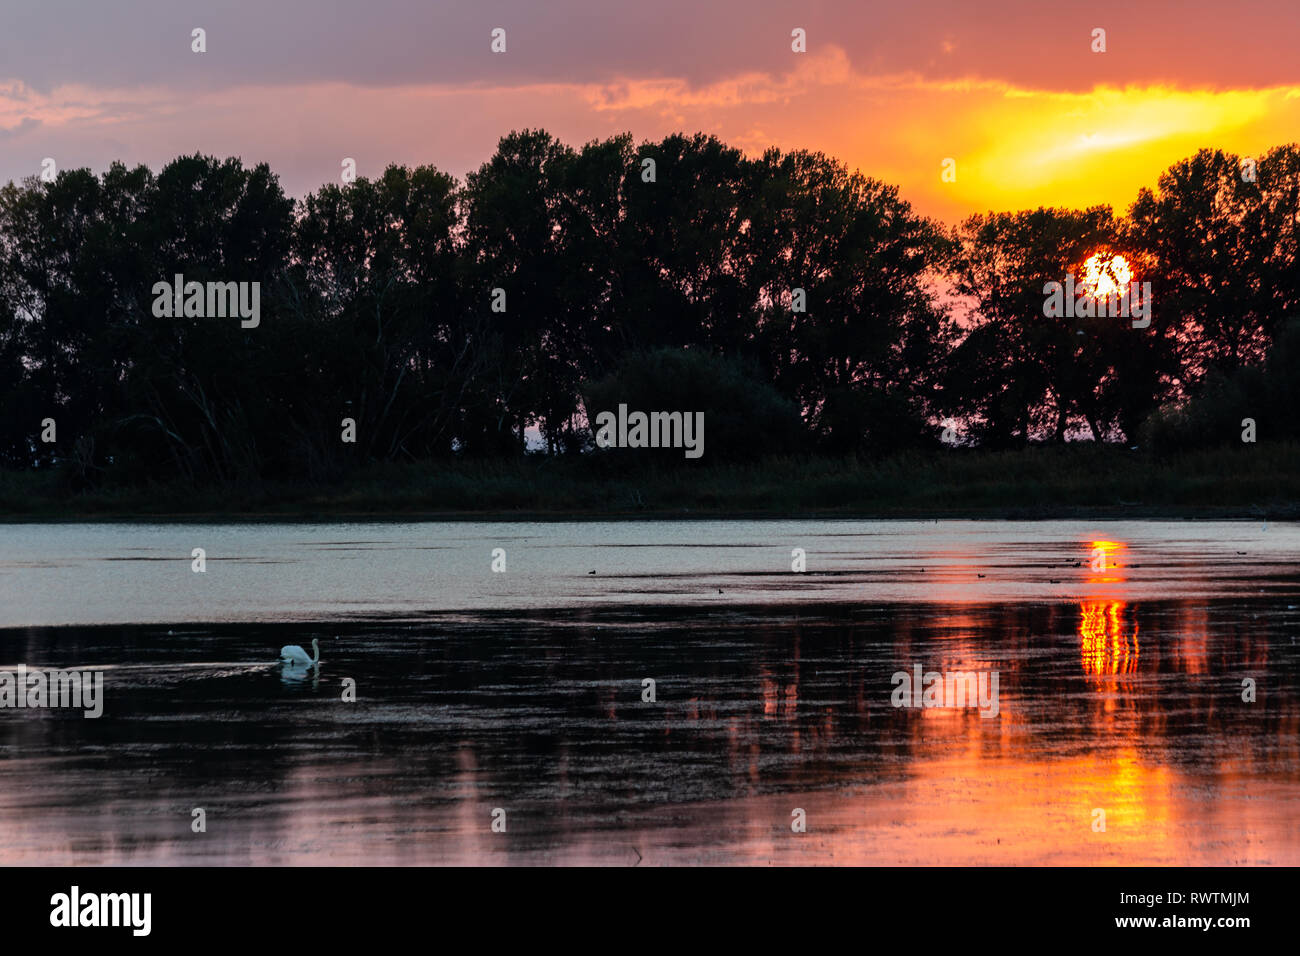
<point x="1014" y="146"/>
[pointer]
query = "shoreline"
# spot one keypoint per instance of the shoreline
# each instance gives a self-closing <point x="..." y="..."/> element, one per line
<point x="1080" y="481"/>
<point x="1286" y="512"/>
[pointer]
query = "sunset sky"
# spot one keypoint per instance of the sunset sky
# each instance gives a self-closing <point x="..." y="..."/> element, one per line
<point x="1010" y="90"/>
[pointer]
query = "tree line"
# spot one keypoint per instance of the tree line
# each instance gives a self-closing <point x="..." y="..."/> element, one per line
<point x="802" y="306"/>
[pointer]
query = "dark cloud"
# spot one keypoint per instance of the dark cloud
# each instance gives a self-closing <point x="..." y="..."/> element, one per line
<point x="27" y="124"/>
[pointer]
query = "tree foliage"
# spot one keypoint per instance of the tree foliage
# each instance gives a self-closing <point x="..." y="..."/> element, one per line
<point x="781" y="291"/>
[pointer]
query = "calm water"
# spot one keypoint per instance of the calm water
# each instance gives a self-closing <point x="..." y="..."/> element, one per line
<point x="1119" y="690"/>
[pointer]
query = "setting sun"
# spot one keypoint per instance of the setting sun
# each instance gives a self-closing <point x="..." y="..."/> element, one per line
<point x="1103" y="277"/>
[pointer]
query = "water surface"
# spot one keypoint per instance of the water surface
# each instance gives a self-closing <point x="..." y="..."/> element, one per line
<point x="1119" y="690"/>
<point x="142" y="573"/>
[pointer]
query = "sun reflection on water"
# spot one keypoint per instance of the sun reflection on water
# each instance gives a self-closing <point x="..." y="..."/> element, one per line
<point x="1106" y="648"/>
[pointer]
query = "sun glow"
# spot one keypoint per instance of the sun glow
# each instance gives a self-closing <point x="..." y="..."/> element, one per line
<point x="1106" y="648"/>
<point x="1105" y="277"/>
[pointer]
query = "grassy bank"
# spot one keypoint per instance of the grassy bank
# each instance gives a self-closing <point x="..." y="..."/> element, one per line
<point x="1080" y="480"/>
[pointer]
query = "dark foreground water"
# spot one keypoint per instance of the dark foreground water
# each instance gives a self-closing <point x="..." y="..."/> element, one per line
<point x="1116" y="695"/>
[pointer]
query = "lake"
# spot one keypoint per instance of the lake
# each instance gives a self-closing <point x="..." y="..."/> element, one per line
<point x="507" y="716"/>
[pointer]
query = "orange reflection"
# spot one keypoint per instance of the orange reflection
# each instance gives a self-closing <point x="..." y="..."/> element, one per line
<point x="1190" y="647"/>
<point x="1106" y="649"/>
<point x="1105" y="561"/>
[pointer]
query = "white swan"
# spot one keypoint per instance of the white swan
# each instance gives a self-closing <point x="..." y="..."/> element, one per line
<point x="295" y="656"/>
